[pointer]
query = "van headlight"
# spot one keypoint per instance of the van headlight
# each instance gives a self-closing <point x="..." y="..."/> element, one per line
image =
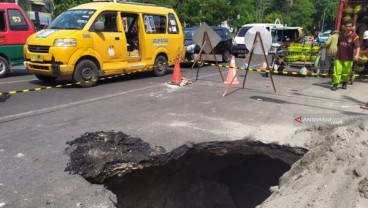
<point x="190" y="48"/>
<point x="65" y="42"/>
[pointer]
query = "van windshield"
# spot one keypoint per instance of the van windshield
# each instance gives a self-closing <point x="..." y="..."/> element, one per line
<point x="245" y="29"/>
<point x="242" y="31"/>
<point x="189" y="33"/>
<point x="72" y="19"/>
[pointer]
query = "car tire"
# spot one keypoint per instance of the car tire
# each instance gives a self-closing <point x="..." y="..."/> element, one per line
<point x="160" y="67"/>
<point x="86" y="73"/>
<point x="4" y="67"/>
<point x="226" y="56"/>
<point x="45" y="79"/>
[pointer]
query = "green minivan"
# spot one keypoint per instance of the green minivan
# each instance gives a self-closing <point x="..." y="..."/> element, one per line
<point x="15" y="27"/>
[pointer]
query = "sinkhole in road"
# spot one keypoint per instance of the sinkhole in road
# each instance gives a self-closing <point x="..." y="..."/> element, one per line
<point x="231" y="174"/>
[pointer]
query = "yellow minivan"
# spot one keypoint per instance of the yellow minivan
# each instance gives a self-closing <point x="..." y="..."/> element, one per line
<point x="105" y="38"/>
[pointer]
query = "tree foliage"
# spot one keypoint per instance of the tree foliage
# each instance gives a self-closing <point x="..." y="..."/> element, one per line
<point x="24" y="4"/>
<point x="305" y="13"/>
<point x="63" y="5"/>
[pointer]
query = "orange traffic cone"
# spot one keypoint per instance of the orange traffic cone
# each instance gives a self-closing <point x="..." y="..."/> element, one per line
<point x="176" y="78"/>
<point x="232" y="73"/>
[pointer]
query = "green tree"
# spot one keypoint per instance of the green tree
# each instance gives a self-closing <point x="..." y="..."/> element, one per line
<point x="49" y="7"/>
<point x="301" y="14"/>
<point x="63" y="5"/>
<point x="241" y="12"/>
<point x="328" y="12"/>
<point x="24" y="4"/>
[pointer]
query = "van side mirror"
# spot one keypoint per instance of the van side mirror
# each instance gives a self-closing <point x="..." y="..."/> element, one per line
<point x="99" y="26"/>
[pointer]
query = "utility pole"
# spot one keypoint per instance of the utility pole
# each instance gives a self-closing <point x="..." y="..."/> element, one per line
<point x="259" y="10"/>
<point x="324" y="14"/>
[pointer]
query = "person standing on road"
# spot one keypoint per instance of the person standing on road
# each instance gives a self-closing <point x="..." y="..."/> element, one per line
<point x="364" y="46"/>
<point x="331" y="45"/>
<point x="364" y="50"/>
<point x="348" y="48"/>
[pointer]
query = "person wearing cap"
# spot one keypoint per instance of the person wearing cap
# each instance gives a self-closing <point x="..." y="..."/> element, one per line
<point x="364" y="46"/>
<point x="348" y="49"/>
<point x="331" y="45"/>
<point x="364" y="50"/>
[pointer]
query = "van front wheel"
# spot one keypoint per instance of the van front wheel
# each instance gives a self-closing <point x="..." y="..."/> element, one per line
<point x="160" y="67"/>
<point x="4" y="67"/>
<point x="86" y="73"/>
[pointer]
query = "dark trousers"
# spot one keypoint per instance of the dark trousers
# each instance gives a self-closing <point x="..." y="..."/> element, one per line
<point x="329" y="64"/>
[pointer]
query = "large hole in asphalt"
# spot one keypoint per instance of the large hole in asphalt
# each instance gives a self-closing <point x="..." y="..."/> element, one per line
<point x="200" y="180"/>
<point x="236" y="174"/>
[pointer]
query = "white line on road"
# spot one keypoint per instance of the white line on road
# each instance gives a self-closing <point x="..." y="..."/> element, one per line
<point x="17" y="81"/>
<point x="64" y="106"/>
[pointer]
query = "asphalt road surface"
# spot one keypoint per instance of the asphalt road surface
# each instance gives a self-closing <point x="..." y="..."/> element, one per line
<point x="35" y="126"/>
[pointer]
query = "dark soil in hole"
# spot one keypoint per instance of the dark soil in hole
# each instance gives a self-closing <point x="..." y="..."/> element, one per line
<point x="233" y="174"/>
<point x="200" y="180"/>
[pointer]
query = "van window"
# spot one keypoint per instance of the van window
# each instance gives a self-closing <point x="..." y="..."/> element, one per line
<point x="2" y="21"/>
<point x="16" y="20"/>
<point x="155" y="24"/>
<point x="173" y="26"/>
<point x="110" y="21"/>
<point x="131" y="29"/>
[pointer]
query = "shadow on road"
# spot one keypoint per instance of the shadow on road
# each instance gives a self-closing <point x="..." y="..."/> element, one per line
<point x="3" y="98"/>
<point x="278" y="101"/>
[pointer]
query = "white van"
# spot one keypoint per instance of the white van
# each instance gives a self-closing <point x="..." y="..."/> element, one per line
<point x="239" y="45"/>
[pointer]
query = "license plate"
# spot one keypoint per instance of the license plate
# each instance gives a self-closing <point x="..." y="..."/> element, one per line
<point x="36" y="58"/>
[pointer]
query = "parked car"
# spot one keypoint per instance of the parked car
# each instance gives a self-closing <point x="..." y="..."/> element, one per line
<point x="224" y="47"/>
<point x="15" y="28"/>
<point x="323" y="38"/>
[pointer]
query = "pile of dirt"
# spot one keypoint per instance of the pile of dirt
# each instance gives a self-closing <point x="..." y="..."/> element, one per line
<point x="334" y="172"/>
<point x="99" y="155"/>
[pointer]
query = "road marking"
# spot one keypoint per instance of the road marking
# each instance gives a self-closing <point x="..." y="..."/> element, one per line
<point x="64" y="106"/>
<point x="24" y="80"/>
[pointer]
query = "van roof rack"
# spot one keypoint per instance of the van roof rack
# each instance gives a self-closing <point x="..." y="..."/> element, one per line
<point x="144" y="4"/>
<point x="134" y="3"/>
